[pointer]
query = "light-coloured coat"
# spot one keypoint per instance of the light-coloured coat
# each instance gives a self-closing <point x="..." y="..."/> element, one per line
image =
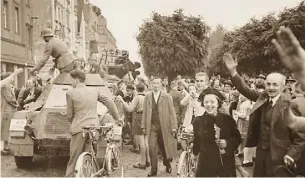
<point x="168" y="121"/>
<point x="82" y="107"/>
<point x="8" y="108"/>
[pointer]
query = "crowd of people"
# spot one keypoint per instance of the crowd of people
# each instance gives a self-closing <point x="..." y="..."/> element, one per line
<point x="249" y="112"/>
<point x="259" y="119"/>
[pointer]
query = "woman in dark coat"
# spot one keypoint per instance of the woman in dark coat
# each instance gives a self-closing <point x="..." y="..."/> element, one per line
<point x="216" y="158"/>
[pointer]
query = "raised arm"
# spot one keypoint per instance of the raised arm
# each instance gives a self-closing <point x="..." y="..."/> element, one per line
<point x="47" y="53"/>
<point x="131" y="107"/>
<point x="110" y="105"/>
<point x="238" y="82"/>
<point x="185" y="100"/>
<point x="11" y="78"/>
<point x="291" y="53"/>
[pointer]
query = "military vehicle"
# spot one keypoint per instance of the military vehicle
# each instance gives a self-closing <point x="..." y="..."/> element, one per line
<point x="43" y="129"/>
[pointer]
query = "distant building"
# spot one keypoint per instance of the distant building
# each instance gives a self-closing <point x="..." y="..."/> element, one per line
<point x="98" y="34"/>
<point x="16" y="37"/>
<point x="111" y="41"/>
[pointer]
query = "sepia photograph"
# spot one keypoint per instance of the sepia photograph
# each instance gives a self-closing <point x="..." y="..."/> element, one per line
<point x="152" y="88"/>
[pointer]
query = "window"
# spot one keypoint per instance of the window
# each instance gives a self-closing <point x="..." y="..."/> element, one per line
<point x="29" y="40"/>
<point x="68" y="20"/>
<point x="58" y="16"/>
<point x="76" y="27"/>
<point x="9" y="67"/>
<point x="17" y="20"/>
<point x="55" y="12"/>
<point x="62" y="16"/>
<point x="5" y="14"/>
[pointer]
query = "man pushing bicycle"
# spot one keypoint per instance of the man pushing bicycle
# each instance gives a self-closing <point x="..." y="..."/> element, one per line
<point x="81" y="112"/>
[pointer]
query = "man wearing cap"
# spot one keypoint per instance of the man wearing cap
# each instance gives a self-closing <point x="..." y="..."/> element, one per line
<point x="64" y="61"/>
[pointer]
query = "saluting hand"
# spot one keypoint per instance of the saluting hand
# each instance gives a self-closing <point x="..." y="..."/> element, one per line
<point x="230" y="63"/>
<point x="289" y="49"/>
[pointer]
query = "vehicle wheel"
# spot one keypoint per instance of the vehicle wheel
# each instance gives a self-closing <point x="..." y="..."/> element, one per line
<point x="114" y="164"/>
<point x="85" y="166"/>
<point x="182" y="165"/>
<point x="24" y="161"/>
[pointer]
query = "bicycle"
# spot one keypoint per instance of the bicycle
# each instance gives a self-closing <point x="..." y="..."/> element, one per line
<point x="287" y="171"/>
<point x="186" y="165"/>
<point x="87" y="164"/>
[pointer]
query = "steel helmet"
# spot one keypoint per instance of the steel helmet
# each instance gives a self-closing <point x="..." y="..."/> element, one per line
<point x="47" y="32"/>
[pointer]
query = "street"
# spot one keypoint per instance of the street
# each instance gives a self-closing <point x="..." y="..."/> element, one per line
<point x="57" y="167"/>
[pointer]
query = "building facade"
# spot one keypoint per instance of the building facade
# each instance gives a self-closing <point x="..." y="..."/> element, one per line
<point x="111" y="41"/>
<point x="17" y="37"/>
<point x="22" y="23"/>
<point x="61" y="17"/>
<point x="97" y="33"/>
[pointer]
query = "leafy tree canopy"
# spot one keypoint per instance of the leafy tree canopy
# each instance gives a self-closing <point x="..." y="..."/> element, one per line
<point x="251" y="44"/>
<point x="215" y="44"/>
<point x="173" y="45"/>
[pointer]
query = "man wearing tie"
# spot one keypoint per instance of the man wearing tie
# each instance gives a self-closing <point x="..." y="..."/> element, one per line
<point x="277" y="144"/>
<point x="160" y="123"/>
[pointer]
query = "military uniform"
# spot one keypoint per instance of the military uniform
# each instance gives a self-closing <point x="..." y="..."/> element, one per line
<point x="64" y="61"/>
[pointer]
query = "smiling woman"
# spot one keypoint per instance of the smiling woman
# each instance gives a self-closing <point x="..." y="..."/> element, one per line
<point x="216" y="157"/>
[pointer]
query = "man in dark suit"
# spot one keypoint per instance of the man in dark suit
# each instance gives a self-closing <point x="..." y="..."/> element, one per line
<point x="277" y="144"/>
<point x="30" y="94"/>
<point x="160" y="124"/>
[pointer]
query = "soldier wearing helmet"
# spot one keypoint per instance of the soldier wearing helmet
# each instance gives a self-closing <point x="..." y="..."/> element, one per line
<point x="64" y="61"/>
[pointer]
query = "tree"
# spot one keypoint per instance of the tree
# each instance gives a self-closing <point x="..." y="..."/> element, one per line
<point x="215" y="44"/>
<point x="251" y="44"/>
<point x="173" y="45"/>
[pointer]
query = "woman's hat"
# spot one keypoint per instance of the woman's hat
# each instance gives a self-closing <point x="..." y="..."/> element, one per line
<point x="228" y="82"/>
<point x="210" y="91"/>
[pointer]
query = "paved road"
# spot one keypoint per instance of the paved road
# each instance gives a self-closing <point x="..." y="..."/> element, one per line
<point x="56" y="167"/>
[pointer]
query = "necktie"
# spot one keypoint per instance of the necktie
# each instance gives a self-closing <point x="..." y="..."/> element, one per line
<point x="270" y="103"/>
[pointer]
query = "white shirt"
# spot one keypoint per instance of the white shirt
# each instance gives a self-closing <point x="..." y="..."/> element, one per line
<point x="156" y="95"/>
<point x="274" y="99"/>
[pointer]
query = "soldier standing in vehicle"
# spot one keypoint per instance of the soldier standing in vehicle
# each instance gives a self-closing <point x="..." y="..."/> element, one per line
<point x="64" y="61"/>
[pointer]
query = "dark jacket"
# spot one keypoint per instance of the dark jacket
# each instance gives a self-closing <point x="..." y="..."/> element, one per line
<point x="26" y="93"/>
<point x="204" y="143"/>
<point x="283" y="140"/>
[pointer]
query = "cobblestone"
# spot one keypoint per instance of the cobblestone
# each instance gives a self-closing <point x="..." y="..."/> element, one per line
<point x="57" y="166"/>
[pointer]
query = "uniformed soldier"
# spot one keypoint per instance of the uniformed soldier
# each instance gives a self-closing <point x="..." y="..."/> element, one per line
<point x="64" y="61"/>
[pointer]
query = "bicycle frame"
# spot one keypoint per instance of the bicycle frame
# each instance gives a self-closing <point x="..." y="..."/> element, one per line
<point x="186" y="154"/>
<point x="93" y="142"/>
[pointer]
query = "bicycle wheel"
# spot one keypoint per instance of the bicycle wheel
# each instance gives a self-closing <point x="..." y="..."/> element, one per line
<point x="182" y="165"/>
<point x="85" y="165"/>
<point x="192" y="167"/>
<point x="114" y="164"/>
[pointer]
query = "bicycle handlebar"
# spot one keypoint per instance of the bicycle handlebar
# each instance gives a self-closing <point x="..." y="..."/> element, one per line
<point x="93" y="127"/>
